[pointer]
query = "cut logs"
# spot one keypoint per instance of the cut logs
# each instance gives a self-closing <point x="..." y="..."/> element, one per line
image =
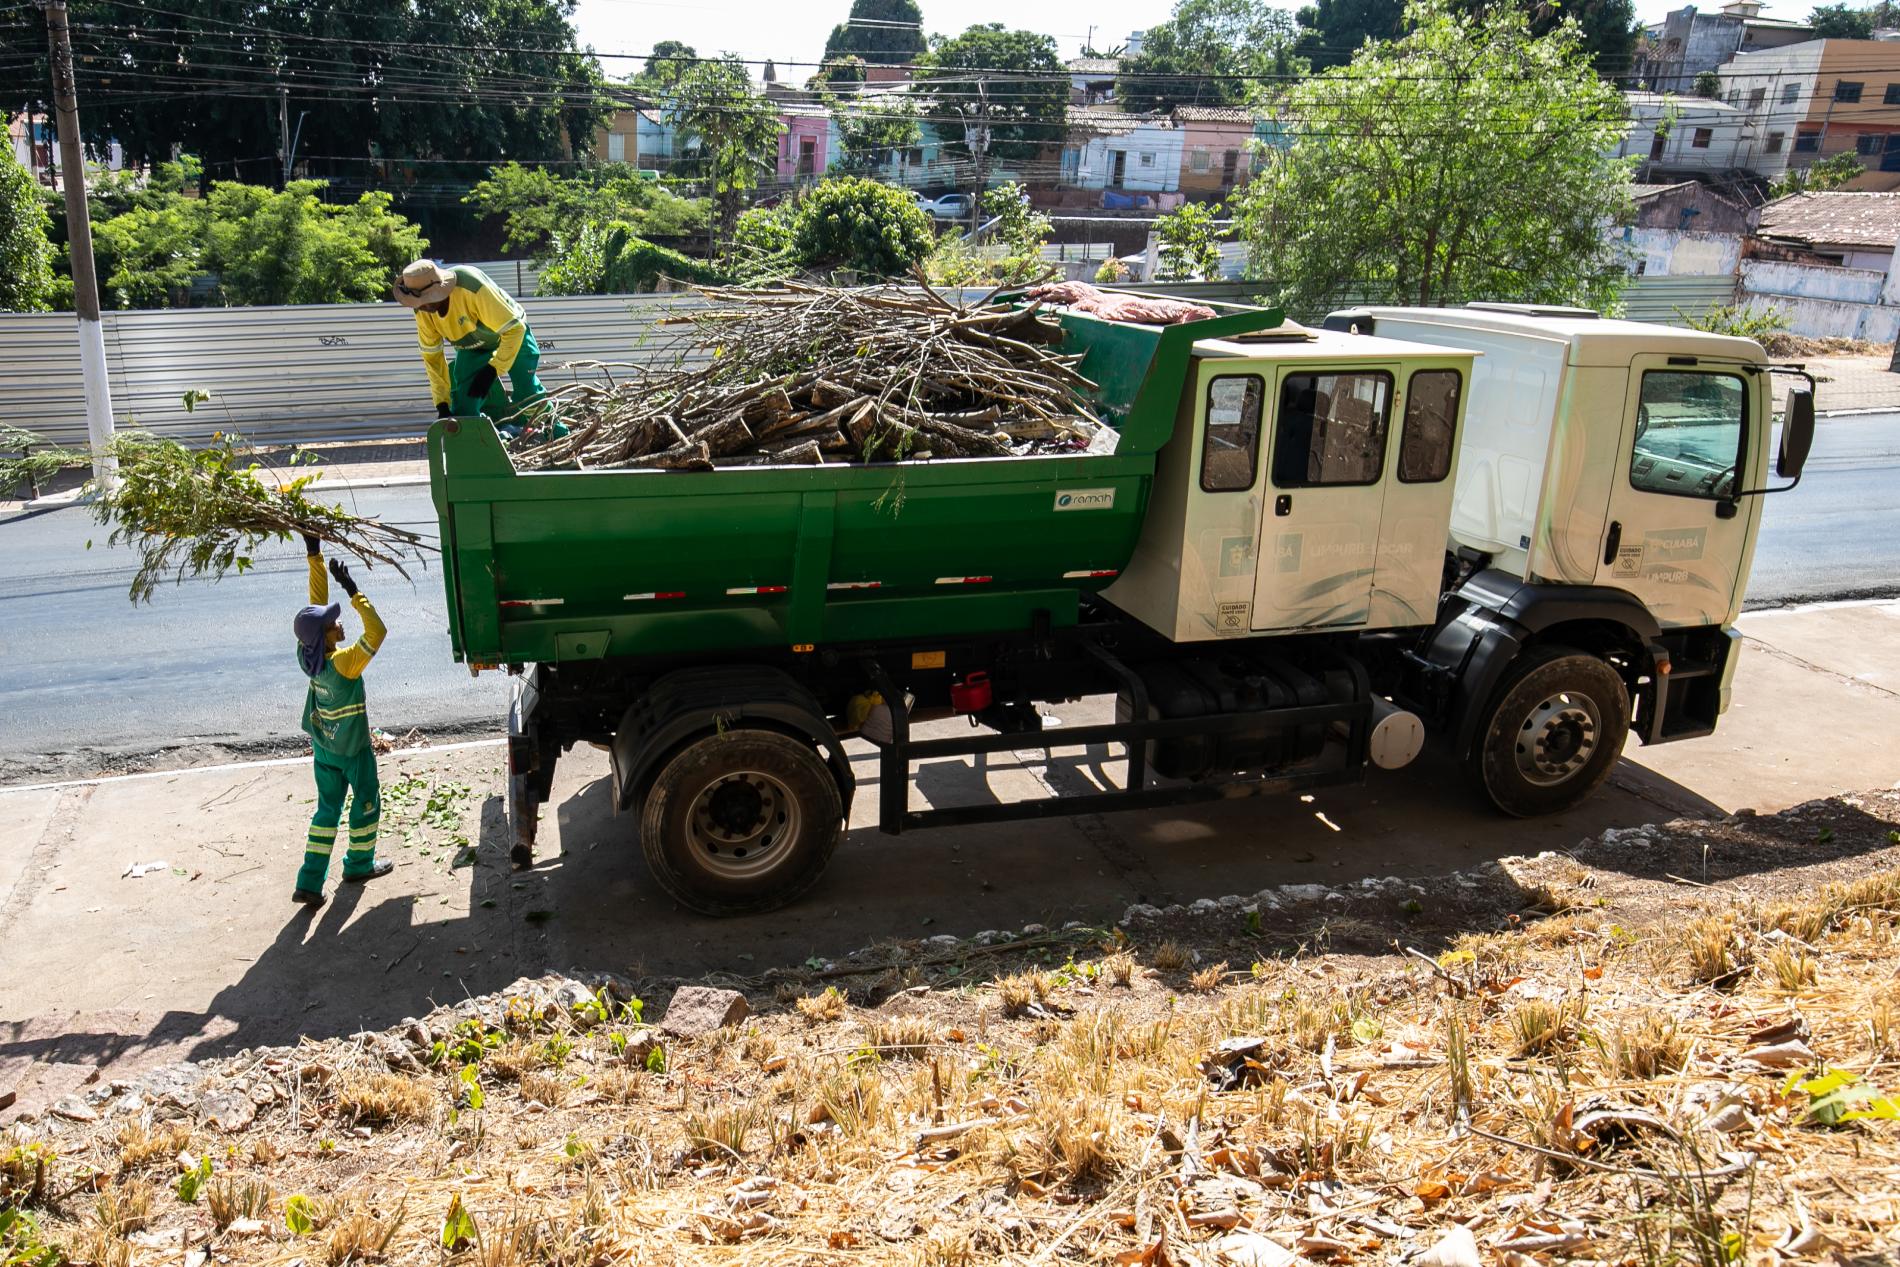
<point x="798" y="374"/>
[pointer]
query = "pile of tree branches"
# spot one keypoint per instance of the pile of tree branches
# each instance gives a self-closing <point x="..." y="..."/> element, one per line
<point x="193" y="512"/>
<point x="810" y="374"/>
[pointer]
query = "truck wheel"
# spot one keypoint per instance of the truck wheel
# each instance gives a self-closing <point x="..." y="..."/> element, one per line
<point x="741" y="822"/>
<point x="1556" y="728"/>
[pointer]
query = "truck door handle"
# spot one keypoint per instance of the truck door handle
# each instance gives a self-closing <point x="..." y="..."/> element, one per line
<point x="1612" y="541"/>
<point x="1283" y="504"/>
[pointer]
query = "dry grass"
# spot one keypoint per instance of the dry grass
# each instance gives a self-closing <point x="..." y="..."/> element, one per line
<point x="828" y="1006"/>
<point x="378" y="1099"/>
<point x="1566" y="1094"/>
<point x="1172" y="956"/>
<point x="142" y="1144"/>
<point x="1208" y="979"/>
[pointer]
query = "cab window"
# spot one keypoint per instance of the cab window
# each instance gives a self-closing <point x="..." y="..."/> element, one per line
<point x="1431" y="422"/>
<point x="1331" y="429"/>
<point x="1690" y="426"/>
<point x="1230" y="449"/>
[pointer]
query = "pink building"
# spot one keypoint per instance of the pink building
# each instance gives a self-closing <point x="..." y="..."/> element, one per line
<point x="804" y="147"/>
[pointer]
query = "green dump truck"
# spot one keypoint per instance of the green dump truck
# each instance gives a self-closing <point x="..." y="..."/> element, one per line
<point x="1515" y="533"/>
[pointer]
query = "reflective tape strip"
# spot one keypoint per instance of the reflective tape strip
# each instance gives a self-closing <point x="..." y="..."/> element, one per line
<point x="964" y="580"/>
<point x="855" y="585"/>
<point x="1086" y="574"/>
<point x="322" y="833"/>
<point x="337" y="714"/>
<point x="319" y="847"/>
<point x="641" y="598"/>
<point x="511" y="325"/>
<point x="755" y="589"/>
<point x="531" y="602"/>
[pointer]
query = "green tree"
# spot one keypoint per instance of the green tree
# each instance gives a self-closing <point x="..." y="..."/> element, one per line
<point x="838" y="70"/>
<point x="286" y="247"/>
<point x="1020" y="228"/>
<point x="1467" y="160"/>
<point x="882" y="32"/>
<point x="1819" y="176"/>
<point x="665" y="64"/>
<point x="1008" y="81"/>
<point x="1190" y="246"/>
<point x="26" y="255"/>
<point x="150" y="255"/>
<point x="735" y="132"/>
<point x="1333" y="30"/>
<point x="1839" y="22"/>
<point x="613" y="259"/>
<point x="851" y="222"/>
<point x="536" y="204"/>
<point x="394" y="92"/>
<point x="1209" y="52"/>
<point x="870" y="133"/>
<point x="1708" y="84"/>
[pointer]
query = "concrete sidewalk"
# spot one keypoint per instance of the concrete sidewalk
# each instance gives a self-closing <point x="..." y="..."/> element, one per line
<point x="203" y="954"/>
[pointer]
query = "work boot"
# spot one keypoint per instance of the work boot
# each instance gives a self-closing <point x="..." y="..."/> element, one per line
<point x="307" y="897"/>
<point x="377" y="870"/>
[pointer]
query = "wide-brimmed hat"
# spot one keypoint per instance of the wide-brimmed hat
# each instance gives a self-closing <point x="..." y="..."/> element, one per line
<point x="423" y="282"/>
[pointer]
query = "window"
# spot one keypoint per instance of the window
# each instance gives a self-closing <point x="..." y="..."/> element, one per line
<point x="1199" y="160"/>
<point x="1330" y="429"/>
<point x="1756" y="96"/>
<point x="1147" y="159"/>
<point x="616" y="147"/>
<point x="1773" y="145"/>
<point x="1657" y="144"/>
<point x="1893" y="95"/>
<point x="1790" y="93"/>
<point x="1689" y="431"/>
<point x="1431" y="418"/>
<point x="1700" y="139"/>
<point x="1230" y="450"/>
<point x="1868" y="143"/>
<point x="1847" y="90"/>
<point x="1807" y="142"/>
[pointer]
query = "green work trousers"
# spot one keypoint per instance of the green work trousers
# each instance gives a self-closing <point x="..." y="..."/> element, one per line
<point x="524" y="385"/>
<point x="338" y="776"/>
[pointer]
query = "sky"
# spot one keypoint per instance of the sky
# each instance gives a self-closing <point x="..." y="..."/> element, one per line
<point x="792" y="31"/>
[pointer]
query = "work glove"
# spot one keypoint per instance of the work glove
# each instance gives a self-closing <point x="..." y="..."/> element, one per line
<point x="479" y="385"/>
<point x="442" y="410"/>
<point x="311" y="545"/>
<point x="342" y="575"/>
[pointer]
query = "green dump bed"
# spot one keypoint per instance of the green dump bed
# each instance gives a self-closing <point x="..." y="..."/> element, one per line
<point x="551" y="566"/>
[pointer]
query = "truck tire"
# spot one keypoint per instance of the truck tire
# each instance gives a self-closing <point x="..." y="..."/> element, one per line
<point x="741" y="821"/>
<point x="1554" y="731"/>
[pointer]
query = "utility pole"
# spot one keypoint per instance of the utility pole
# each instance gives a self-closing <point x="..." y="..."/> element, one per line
<point x="72" y="164"/>
<point x="283" y="131"/>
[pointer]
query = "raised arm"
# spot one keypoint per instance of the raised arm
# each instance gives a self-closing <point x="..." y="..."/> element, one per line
<point x="353" y="659"/>
<point x="319" y="582"/>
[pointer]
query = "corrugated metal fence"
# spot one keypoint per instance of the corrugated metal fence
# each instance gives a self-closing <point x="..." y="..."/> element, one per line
<point x="351" y="371"/>
<point x="306" y="373"/>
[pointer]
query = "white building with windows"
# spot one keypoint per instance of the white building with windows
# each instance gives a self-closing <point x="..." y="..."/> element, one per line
<point x="1673" y="136"/>
<point x="1111" y="150"/>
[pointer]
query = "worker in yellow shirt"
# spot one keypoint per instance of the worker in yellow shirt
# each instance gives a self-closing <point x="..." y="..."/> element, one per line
<point x="463" y="308"/>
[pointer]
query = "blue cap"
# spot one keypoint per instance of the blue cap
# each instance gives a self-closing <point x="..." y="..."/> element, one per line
<point x="310" y="625"/>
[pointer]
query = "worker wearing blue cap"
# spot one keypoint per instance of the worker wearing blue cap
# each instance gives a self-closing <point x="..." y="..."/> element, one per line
<point x="335" y="716"/>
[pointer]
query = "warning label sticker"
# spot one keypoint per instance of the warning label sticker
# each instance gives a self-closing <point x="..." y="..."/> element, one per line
<point x="1629" y="562"/>
<point x="1233" y="619"/>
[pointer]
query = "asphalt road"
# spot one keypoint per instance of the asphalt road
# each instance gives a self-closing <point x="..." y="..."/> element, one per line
<point x="209" y="666"/>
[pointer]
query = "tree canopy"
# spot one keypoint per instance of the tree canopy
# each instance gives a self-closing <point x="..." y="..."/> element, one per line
<point x="727" y="129"/>
<point x="850" y="222"/>
<point x="870" y="132"/>
<point x="392" y="93"/>
<point x="26" y="256"/>
<point x="539" y="205"/>
<point x="1209" y="52"/>
<point x="1467" y="160"/>
<point x="882" y="32"/>
<point x="1010" y="81"/>
<point x="1841" y="22"/>
<point x="665" y="63"/>
<point x="1333" y="30"/>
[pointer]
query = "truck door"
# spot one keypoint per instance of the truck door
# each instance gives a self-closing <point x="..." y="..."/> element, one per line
<point x="1675" y="539"/>
<point x="1320" y="535"/>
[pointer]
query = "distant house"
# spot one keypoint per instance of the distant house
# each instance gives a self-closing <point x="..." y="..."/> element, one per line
<point x="1092" y="79"/>
<point x="1674" y="136"/>
<point x="1214" y="148"/>
<point x="1853" y="230"/>
<point x="1109" y="150"/>
<point x="639" y="136"/>
<point x="806" y="147"/>
<point x="1826" y="262"/>
<point x="1816" y="99"/>
<point x="1685" y="229"/>
<point x="1688" y="43"/>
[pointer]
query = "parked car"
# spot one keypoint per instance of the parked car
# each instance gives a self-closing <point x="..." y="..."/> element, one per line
<point x="948" y="206"/>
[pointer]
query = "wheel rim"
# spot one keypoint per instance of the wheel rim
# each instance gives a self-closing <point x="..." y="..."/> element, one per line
<point x="1557" y="738"/>
<point x="743" y="824"/>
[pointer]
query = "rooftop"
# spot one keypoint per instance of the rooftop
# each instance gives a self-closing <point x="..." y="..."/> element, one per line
<point x="1094" y="65"/>
<point x="1681" y="103"/>
<point x="1840" y="218"/>
<point x="1213" y="114"/>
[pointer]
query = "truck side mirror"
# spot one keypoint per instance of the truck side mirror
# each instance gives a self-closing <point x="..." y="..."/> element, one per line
<point x="1797" y="433"/>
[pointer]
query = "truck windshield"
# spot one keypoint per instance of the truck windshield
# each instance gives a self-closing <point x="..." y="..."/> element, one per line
<point x="1689" y="430"/>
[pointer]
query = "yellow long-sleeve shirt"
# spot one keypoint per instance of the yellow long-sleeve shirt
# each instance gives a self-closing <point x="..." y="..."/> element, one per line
<point x="481" y="315"/>
<point x="350" y="661"/>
